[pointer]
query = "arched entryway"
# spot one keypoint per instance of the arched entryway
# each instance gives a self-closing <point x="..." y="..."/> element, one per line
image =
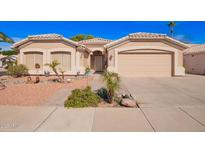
<point x="98" y="61"/>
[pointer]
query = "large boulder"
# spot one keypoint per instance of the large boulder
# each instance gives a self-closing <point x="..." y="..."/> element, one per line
<point x="128" y="102"/>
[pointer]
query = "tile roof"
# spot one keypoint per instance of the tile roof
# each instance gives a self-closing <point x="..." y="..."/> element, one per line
<point x="195" y="49"/>
<point x="95" y="40"/>
<point x="45" y="36"/>
<point x="143" y="35"/>
<point x="146" y="35"/>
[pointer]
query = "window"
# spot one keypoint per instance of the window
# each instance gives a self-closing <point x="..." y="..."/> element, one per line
<point x="64" y="58"/>
<point x="32" y="58"/>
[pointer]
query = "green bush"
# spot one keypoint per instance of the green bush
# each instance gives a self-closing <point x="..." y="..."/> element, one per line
<point x="17" y="70"/>
<point x="87" y="70"/>
<point x="103" y="93"/>
<point x="82" y="98"/>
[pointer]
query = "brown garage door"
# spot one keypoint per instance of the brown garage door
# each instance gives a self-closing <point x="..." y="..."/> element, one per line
<point x="145" y="65"/>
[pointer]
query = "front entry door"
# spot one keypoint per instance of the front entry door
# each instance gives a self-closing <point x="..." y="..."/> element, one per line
<point x="98" y="63"/>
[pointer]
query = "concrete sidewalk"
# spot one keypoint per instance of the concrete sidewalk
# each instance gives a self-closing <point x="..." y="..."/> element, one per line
<point x="56" y="118"/>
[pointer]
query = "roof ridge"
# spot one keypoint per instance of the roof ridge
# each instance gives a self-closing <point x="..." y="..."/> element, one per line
<point x="45" y="35"/>
<point x="150" y="33"/>
<point x="100" y="38"/>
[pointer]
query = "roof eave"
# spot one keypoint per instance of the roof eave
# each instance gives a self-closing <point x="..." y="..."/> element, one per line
<point x="185" y="46"/>
<point x="111" y="44"/>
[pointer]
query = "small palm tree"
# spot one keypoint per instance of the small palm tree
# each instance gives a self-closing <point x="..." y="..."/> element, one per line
<point x="53" y="66"/>
<point x="171" y="25"/>
<point x="4" y="38"/>
<point x="62" y="73"/>
<point x="112" y="81"/>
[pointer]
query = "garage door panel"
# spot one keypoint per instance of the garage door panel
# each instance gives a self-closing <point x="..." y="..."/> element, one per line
<point x="144" y="65"/>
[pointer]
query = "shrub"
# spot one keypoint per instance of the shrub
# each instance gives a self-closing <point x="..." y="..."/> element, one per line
<point x="17" y="70"/>
<point x="87" y="70"/>
<point x="112" y="81"/>
<point x="103" y="93"/>
<point x="82" y="98"/>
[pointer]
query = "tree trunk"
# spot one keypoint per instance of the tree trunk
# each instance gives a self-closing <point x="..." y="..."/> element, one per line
<point x="58" y="75"/>
<point x="110" y="97"/>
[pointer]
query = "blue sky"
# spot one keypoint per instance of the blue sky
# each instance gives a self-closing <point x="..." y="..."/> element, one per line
<point x="193" y="32"/>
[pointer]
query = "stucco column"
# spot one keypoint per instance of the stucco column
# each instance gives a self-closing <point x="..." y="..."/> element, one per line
<point x="74" y="62"/>
<point x="116" y="62"/>
<point x="179" y="69"/>
<point x="89" y="61"/>
<point x="46" y="60"/>
<point x="21" y="60"/>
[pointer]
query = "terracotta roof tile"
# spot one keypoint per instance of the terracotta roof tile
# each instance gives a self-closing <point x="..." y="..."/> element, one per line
<point x="195" y="49"/>
<point x="45" y="36"/>
<point x="95" y="40"/>
<point x="142" y="35"/>
<point x="146" y="35"/>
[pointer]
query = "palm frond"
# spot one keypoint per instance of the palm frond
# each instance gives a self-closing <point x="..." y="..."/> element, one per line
<point x="5" y="38"/>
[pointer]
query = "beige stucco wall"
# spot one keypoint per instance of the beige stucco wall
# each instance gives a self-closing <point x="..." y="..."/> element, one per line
<point x="195" y="63"/>
<point x="47" y="47"/>
<point x="149" y="47"/>
<point x="84" y="61"/>
<point x="96" y="47"/>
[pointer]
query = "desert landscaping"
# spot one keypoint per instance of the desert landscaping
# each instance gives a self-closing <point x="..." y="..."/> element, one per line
<point x="18" y="92"/>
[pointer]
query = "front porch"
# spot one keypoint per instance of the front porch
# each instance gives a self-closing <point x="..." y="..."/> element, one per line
<point x="98" y="61"/>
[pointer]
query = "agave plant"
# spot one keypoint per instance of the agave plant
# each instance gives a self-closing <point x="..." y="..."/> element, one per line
<point x="112" y="81"/>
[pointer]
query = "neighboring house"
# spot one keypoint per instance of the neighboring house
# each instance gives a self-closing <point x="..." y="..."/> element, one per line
<point x="1" y="60"/>
<point x="194" y="59"/>
<point x="138" y="54"/>
<point x="5" y="59"/>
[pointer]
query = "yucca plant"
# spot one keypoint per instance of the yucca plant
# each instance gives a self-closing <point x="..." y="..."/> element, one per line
<point x="112" y="81"/>
<point x="53" y="66"/>
<point x="62" y="73"/>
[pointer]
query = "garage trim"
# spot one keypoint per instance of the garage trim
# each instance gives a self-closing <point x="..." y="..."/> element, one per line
<point x="163" y="49"/>
<point x="144" y="55"/>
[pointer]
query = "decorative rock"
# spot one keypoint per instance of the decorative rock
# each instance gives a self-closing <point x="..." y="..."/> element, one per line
<point x="128" y="102"/>
<point x="68" y="80"/>
<point x="125" y="96"/>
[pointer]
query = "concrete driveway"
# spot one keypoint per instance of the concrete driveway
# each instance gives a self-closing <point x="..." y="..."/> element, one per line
<point x="167" y="92"/>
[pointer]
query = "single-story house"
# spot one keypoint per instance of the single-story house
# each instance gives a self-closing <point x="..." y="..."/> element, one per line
<point x="138" y="54"/>
<point x="194" y="59"/>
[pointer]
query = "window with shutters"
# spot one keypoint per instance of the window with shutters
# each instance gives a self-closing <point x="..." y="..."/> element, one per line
<point x="64" y="58"/>
<point x="32" y="58"/>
